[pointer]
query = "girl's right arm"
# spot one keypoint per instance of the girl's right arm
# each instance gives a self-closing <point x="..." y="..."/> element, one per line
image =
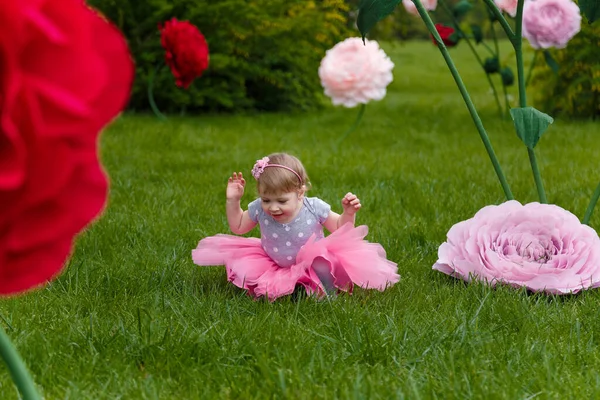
<point x="239" y="221"/>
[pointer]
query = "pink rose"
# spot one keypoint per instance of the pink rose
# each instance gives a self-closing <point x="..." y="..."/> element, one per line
<point x="354" y="73"/>
<point x="429" y="5"/>
<point x="550" y="23"/>
<point x="508" y="6"/>
<point x="539" y="246"/>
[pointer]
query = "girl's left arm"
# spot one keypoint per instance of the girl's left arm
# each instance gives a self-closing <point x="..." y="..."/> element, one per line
<point x="351" y="205"/>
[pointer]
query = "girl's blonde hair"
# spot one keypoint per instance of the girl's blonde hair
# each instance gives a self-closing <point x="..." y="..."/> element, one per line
<point x="279" y="180"/>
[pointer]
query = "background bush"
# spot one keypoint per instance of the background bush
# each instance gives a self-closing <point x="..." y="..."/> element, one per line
<point x="263" y="54"/>
<point x="575" y="90"/>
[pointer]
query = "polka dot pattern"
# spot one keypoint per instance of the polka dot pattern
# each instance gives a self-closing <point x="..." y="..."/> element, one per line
<point x="283" y="241"/>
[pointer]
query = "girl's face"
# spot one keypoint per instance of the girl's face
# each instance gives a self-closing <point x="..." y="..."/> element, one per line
<point x="283" y="207"/>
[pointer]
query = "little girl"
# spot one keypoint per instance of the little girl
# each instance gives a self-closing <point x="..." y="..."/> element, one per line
<point x="292" y="249"/>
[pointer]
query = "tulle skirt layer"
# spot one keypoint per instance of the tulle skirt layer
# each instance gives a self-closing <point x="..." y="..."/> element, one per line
<point x="352" y="261"/>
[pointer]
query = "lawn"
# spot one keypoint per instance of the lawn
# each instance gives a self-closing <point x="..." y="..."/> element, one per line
<point x="132" y="317"/>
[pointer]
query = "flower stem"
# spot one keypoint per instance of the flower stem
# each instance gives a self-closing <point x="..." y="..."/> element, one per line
<point x="153" y="105"/>
<point x="506" y="102"/>
<point x="17" y="368"/>
<point x="531" y="67"/>
<point x="517" y="42"/>
<point x="593" y="201"/>
<point x="466" y="98"/>
<point x="495" y="37"/>
<point x="492" y="53"/>
<point x="536" y="176"/>
<point x="353" y="127"/>
<point x="466" y="38"/>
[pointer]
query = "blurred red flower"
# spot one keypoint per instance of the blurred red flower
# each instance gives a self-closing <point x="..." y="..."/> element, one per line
<point x="448" y="35"/>
<point x="64" y="74"/>
<point x="186" y="50"/>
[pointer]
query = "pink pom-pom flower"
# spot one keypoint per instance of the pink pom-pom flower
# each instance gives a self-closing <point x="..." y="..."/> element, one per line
<point x="354" y="73"/>
<point x="541" y="247"/>
<point x="550" y="23"/>
<point x="410" y="7"/>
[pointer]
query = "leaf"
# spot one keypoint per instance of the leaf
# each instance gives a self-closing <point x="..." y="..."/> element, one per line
<point x="461" y="8"/>
<point x="477" y="33"/>
<point x="530" y="124"/>
<point x="372" y="11"/>
<point x="591" y="9"/>
<point x="551" y="61"/>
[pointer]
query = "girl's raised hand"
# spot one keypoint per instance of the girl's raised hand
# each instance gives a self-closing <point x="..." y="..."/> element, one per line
<point x="235" y="186"/>
<point x="350" y="203"/>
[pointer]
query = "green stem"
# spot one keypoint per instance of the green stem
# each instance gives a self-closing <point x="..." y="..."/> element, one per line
<point x="517" y="42"/>
<point x="466" y="98"/>
<point x="536" y="176"/>
<point x="593" y="201"/>
<point x="531" y="68"/>
<point x="488" y="48"/>
<point x="495" y="37"/>
<point x="17" y="369"/>
<point x="466" y="38"/>
<point x="153" y="105"/>
<point x="506" y="102"/>
<point x="352" y="128"/>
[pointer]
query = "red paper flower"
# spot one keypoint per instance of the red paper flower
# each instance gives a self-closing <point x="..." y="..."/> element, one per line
<point x="447" y="34"/>
<point x="64" y="74"/>
<point x="186" y="50"/>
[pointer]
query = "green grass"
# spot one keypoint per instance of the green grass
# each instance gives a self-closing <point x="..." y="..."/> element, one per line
<point x="132" y="316"/>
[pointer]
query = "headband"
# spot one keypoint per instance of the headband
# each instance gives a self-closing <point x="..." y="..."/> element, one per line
<point x="263" y="163"/>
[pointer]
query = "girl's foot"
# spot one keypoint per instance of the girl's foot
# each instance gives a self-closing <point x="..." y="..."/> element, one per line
<point x="322" y="268"/>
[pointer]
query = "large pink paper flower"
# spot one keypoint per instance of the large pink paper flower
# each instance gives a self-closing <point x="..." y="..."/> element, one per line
<point x="354" y="73"/>
<point x="550" y="23"/>
<point x="539" y="246"/>
<point x="429" y="5"/>
<point x="508" y="6"/>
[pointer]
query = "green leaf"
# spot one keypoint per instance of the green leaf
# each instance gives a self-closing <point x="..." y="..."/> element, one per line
<point x="551" y="61"/>
<point x="508" y="78"/>
<point x="530" y="124"/>
<point x="477" y="33"/>
<point x="461" y="8"/>
<point x="372" y="11"/>
<point x="591" y="9"/>
<point x="491" y="65"/>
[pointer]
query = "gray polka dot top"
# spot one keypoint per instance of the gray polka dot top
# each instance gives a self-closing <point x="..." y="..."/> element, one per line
<point x="282" y="242"/>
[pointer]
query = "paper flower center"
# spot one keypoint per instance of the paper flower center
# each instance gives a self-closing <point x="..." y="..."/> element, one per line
<point x="528" y="249"/>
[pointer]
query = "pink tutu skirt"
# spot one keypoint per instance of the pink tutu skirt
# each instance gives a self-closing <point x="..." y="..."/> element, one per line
<point x="353" y="261"/>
